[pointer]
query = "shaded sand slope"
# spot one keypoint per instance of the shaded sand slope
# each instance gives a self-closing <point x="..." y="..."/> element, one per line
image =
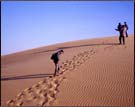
<point x="93" y="72"/>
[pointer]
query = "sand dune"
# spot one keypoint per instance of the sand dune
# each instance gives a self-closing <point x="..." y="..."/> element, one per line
<point x="94" y="72"/>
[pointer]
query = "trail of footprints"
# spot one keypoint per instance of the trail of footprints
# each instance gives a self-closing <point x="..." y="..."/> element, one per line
<point x="43" y="93"/>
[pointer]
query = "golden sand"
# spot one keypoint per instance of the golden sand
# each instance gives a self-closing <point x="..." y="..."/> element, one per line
<point x="94" y="72"/>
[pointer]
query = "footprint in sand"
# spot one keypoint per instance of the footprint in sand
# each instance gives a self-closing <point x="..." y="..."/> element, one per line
<point x="45" y="91"/>
<point x="110" y="48"/>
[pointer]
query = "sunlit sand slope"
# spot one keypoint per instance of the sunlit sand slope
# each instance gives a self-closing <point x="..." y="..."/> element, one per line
<point x="96" y="72"/>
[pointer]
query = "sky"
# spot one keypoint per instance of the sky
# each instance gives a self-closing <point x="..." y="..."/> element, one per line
<point x="32" y="24"/>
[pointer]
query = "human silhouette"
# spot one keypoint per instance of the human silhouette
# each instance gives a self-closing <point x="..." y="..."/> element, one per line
<point x="122" y="32"/>
<point x="126" y="28"/>
<point x="118" y="27"/>
<point x="55" y="57"/>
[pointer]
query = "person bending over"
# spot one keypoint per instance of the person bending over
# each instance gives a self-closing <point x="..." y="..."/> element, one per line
<point x="55" y="57"/>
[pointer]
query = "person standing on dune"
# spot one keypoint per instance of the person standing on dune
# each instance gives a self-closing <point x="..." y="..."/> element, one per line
<point x="118" y="27"/>
<point x="122" y="34"/>
<point x="122" y="31"/>
<point x="126" y="26"/>
<point x="55" y="58"/>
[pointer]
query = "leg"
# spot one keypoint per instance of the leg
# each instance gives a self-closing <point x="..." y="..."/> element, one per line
<point x="55" y="69"/>
<point x="120" y="39"/>
<point x="123" y="39"/>
<point x="126" y="34"/>
<point x="58" y="67"/>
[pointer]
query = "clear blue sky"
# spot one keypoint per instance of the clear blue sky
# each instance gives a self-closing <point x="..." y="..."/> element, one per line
<point x="26" y="25"/>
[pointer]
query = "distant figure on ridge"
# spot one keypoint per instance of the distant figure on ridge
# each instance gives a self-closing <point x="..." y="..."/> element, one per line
<point x="118" y="27"/>
<point x="122" y="30"/>
<point x="55" y="58"/>
<point x="125" y="24"/>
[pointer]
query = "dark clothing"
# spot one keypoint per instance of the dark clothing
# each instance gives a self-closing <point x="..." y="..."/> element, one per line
<point x="57" y="68"/>
<point x="119" y="27"/>
<point x="122" y="32"/>
<point x="126" y="26"/>
<point x="122" y="37"/>
<point x="56" y="61"/>
<point x="126" y="30"/>
<point x="126" y="34"/>
<point x="55" y="57"/>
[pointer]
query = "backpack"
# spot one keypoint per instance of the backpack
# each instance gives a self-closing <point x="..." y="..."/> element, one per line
<point x="53" y="56"/>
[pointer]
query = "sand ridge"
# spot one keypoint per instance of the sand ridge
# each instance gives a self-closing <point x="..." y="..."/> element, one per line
<point x="90" y="75"/>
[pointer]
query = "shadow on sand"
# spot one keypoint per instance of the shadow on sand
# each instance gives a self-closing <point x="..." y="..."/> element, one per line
<point x="89" y="45"/>
<point x="66" y="47"/>
<point x="27" y="77"/>
<point x="49" y="75"/>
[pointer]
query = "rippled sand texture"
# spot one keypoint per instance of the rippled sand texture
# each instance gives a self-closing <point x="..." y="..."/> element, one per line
<point x="97" y="72"/>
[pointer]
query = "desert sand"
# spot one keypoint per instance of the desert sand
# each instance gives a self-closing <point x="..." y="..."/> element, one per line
<point x="94" y="72"/>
